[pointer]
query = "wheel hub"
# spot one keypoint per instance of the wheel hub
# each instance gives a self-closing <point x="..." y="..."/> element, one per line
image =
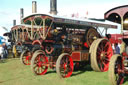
<point x="65" y="66"/>
<point x="102" y="55"/>
<point x="39" y="64"/>
<point x="27" y="57"/>
<point x="94" y="37"/>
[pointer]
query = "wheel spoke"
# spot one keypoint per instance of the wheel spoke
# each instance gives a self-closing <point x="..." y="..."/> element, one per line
<point x="100" y="62"/>
<point x="120" y="79"/>
<point x="36" y="69"/>
<point x="101" y="66"/>
<point x="102" y="46"/>
<point x="106" y="45"/>
<point x="105" y="66"/>
<point x="99" y="58"/>
<point x="98" y="53"/>
<point x="106" y="59"/>
<point x="99" y="49"/>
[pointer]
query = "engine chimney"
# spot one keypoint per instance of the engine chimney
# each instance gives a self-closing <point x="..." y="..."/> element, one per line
<point x="21" y="14"/>
<point x="53" y="7"/>
<point x="34" y="7"/>
<point x="14" y="22"/>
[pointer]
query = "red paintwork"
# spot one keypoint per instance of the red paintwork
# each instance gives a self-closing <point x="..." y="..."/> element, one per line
<point x="86" y="45"/>
<point x="76" y="56"/>
<point x="116" y="38"/>
<point x="38" y="42"/>
<point x="50" y="41"/>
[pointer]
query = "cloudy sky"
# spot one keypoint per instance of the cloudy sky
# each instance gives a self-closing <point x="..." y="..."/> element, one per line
<point x="10" y="9"/>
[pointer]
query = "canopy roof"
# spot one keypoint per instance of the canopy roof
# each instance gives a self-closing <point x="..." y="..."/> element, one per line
<point x="72" y="21"/>
<point x="116" y="13"/>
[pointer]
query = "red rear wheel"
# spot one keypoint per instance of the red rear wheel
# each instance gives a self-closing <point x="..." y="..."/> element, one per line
<point x="64" y="65"/>
<point x="26" y="57"/>
<point x="101" y="55"/>
<point x="39" y="63"/>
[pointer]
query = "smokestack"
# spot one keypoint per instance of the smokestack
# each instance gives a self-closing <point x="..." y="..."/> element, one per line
<point x="53" y="7"/>
<point x="34" y="7"/>
<point x="21" y="14"/>
<point x="14" y="22"/>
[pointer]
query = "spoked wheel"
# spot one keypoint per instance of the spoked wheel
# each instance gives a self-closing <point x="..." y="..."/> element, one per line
<point x="25" y="57"/>
<point x="101" y="55"/>
<point x="90" y="35"/>
<point x="39" y="63"/>
<point x="116" y="70"/>
<point x="64" y="65"/>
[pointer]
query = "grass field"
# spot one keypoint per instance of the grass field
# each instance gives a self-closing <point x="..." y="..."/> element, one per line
<point x="12" y="72"/>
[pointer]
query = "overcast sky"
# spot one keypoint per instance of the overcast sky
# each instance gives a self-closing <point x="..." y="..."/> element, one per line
<point x="10" y="9"/>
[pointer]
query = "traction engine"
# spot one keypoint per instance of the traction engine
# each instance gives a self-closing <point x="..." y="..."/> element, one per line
<point x="62" y="43"/>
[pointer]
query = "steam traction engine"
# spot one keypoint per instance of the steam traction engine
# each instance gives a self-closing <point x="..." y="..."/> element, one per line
<point x="62" y="42"/>
<point x="21" y="39"/>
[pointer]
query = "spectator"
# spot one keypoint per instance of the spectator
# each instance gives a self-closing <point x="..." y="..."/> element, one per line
<point x="3" y="48"/>
<point x="117" y="49"/>
<point x="1" y="52"/>
<point x="5" y="51"/>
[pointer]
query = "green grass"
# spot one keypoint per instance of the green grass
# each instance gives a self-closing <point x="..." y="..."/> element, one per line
<point x="13" y="72"/>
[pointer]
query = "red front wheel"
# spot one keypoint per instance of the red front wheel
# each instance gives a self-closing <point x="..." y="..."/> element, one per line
<point x="39" y="63"/>
<point x="64" y="65"/>
<point x="101" y="55"/>
<point x="116" y="70"/>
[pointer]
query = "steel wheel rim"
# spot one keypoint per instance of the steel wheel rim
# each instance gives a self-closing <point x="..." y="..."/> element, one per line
<point x="66" y="66"/>
<point x="104" y="53"/>
<point x="40" y="64"/>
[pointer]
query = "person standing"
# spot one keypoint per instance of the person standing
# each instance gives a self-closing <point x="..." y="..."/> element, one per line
<point x="117" y="49"/>
<point x="1" y="48"/>
<point x="1" y="52"/>
<point x="5" y="51"/>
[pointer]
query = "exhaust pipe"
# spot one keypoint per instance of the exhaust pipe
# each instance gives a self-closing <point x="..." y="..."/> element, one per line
<point x="14" y="22"/>
<point x="21" y="14"/>
<point x="53" y="7"/>
<point x="34" y="7"/>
